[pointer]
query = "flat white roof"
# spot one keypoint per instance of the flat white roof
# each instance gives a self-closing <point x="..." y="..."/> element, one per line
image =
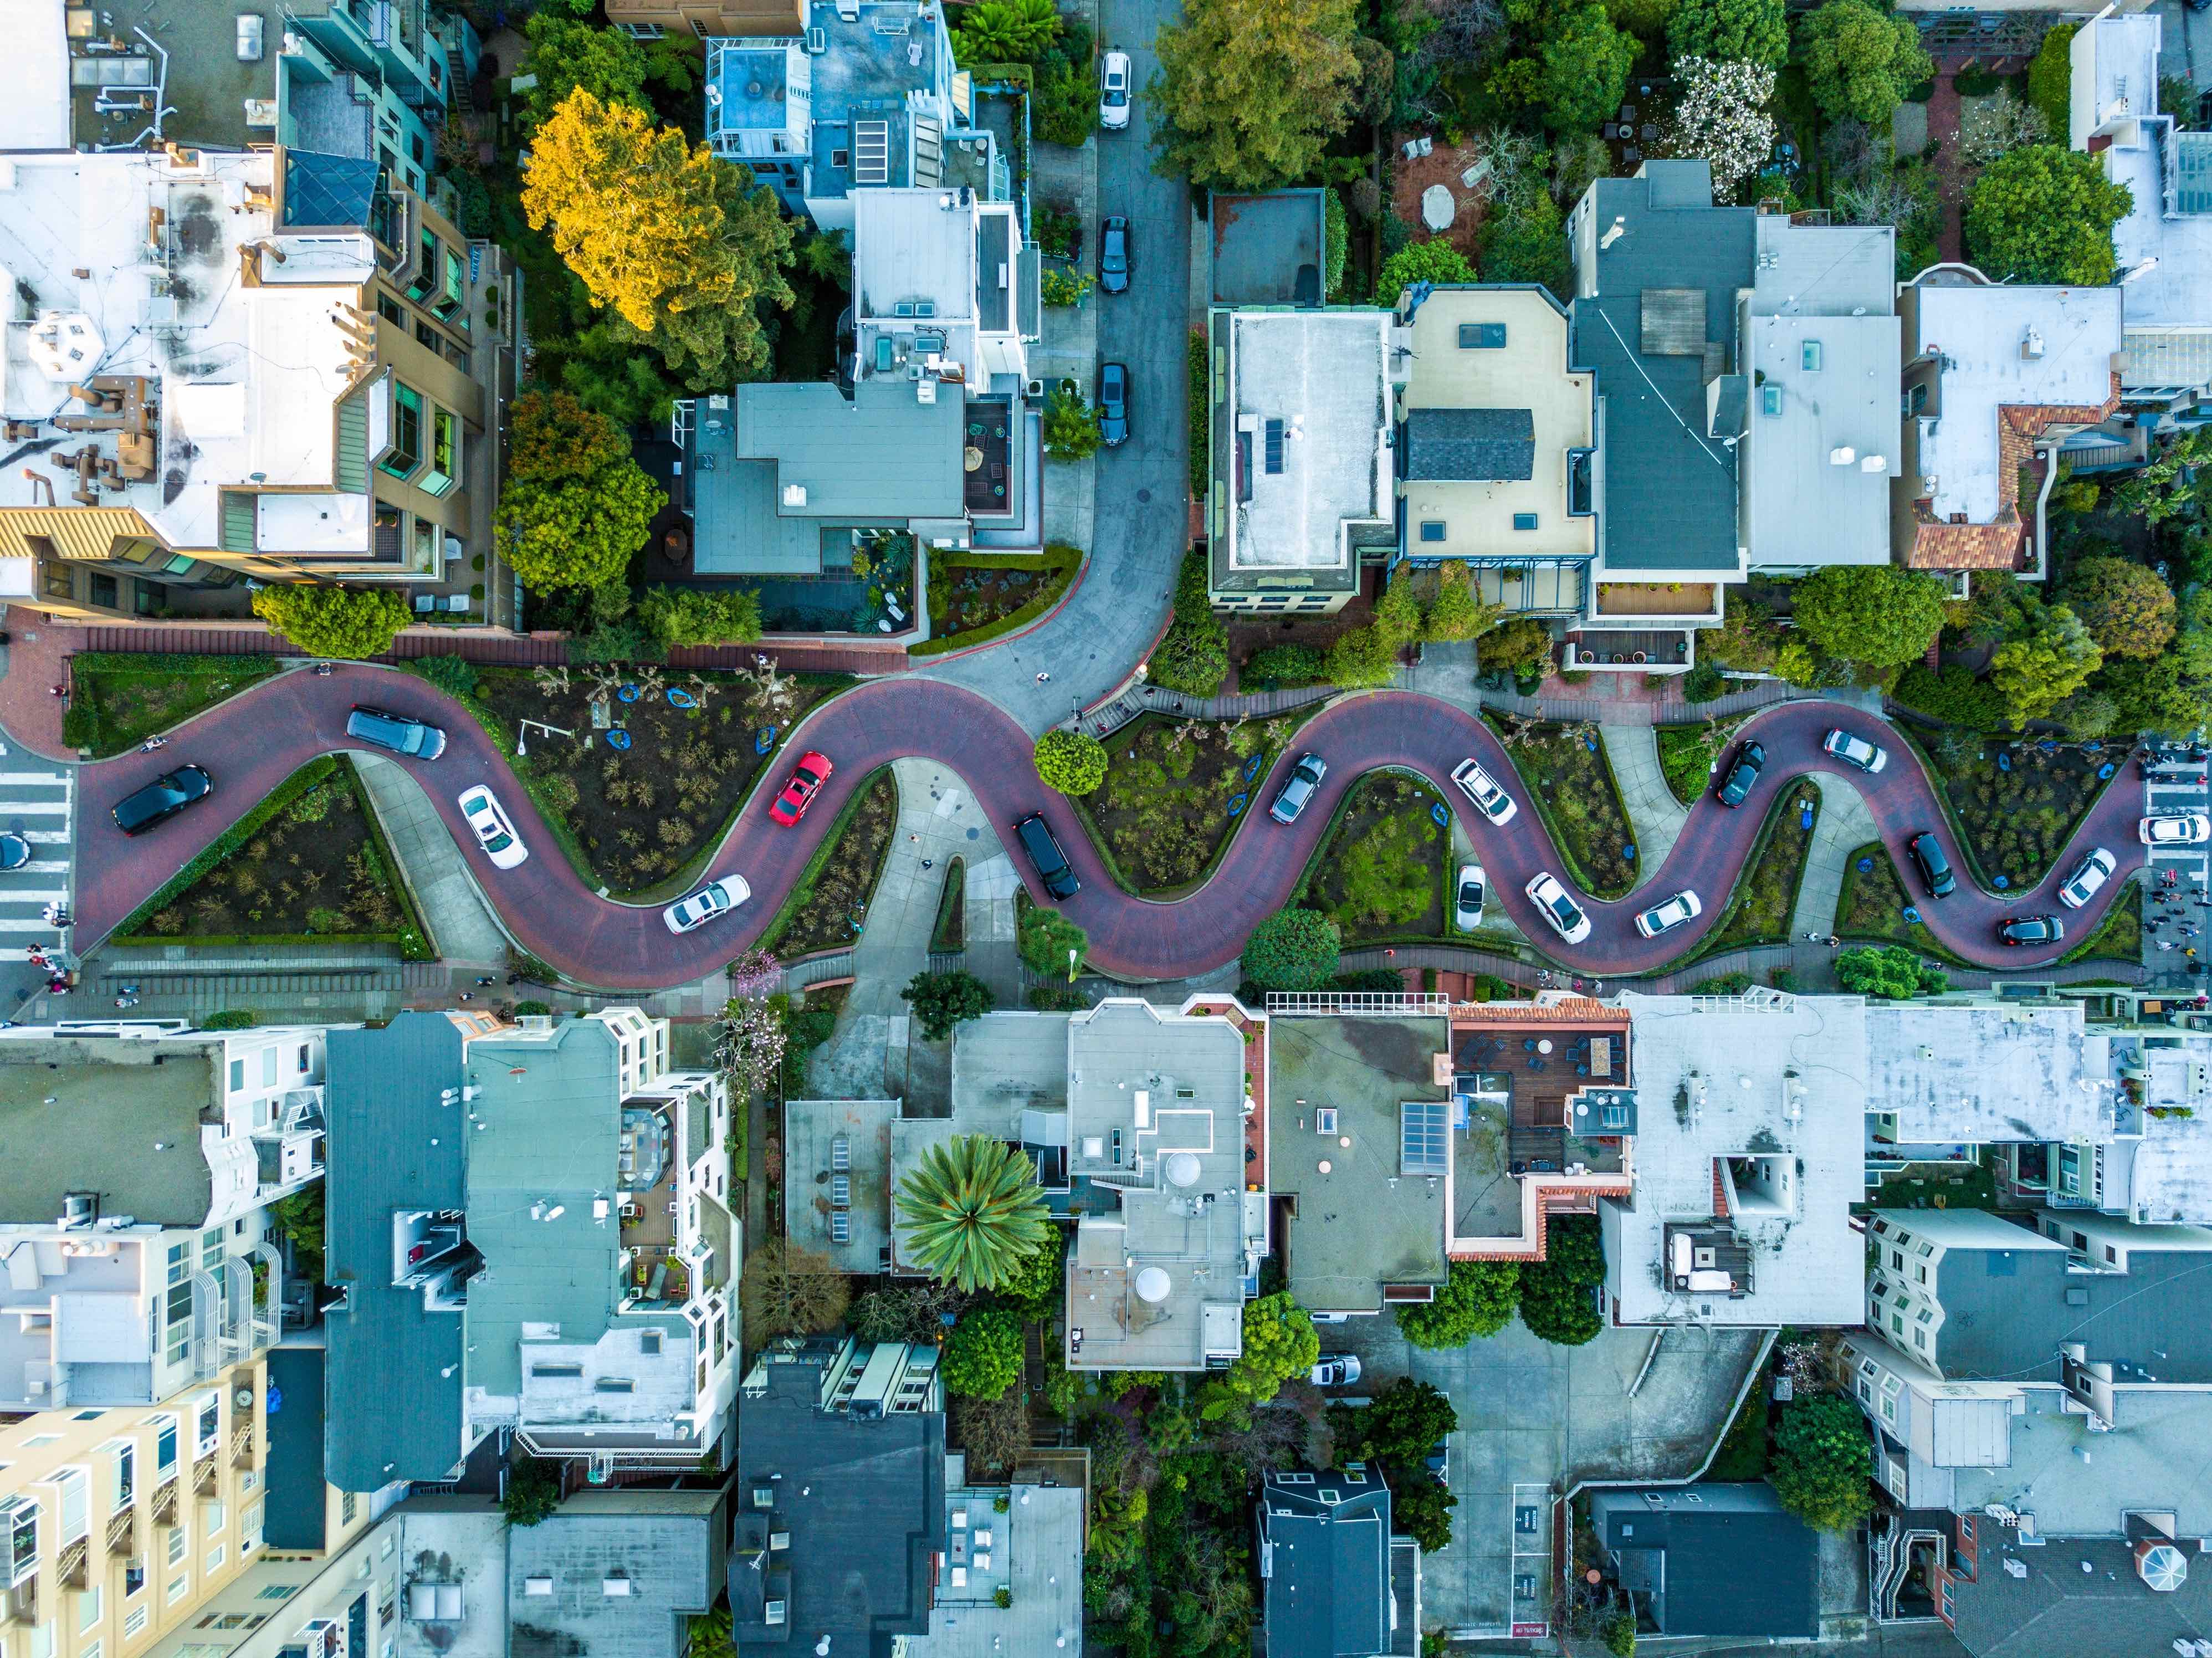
<point x="1985" y="336"/>
<point x="1987" y="1075"/>
<point x="35" y="114"/>
<point x="1324" y="376"/>
<point x="2170" y="1178"/>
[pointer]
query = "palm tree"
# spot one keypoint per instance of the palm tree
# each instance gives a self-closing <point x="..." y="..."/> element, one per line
<point x="974" y="1211"/>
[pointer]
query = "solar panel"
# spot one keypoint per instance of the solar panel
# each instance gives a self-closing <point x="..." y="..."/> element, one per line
<point x="1274" y="445"/>
<point x="840" y="1155"/>
<point x="1421" y="1147"/>
<point x="840" y="1191"/>
<point x="840" y="1226"/>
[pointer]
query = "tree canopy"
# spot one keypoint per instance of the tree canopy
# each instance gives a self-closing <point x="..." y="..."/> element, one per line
<point x="942" y="1001"/>
<point x="575" y="506"/>
<point x="325" y="621"/>
<point x="1193" y="656"/>
<point x="1524" y="240"/>
<point x="1432" y="261"/>
<point x="1249" y="91"/>
<point x="700" y="616"/>
<point x="1755" y="31"/>
<point x="1582" y="68"/>
<point x="1045" y="938"/>
<point x="1006" y="31"/>
<point x="1073" y="762"/>
<point x="1403" y="1424"/>
<point x="1888" y="973"/>
<point x="1822" y="1460"/>
<point x="2045" y="214"/>
<point x="1293" y="950"/>
<point x="1558" y="1294"/>
<point x="2127" y="609"/>
<point x="1478" y="1299"/>
<point x="1860" y="61"/>
<point x="983" y="1354"/>
<point x="972" y="1212"/>
<point x="2046" y="663"/>
<point x="1279" y="1343"/>
<point x="1875" y="614"/>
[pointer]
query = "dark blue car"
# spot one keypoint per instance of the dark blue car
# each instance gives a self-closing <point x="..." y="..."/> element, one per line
<point x="1114" y="404"/>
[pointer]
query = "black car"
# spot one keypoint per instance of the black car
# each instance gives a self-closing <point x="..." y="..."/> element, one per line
<point x="1934" y="868"/>
<point x="1114" y="255"/>
<point x="1113" y="405"/>
<point x="2031" y="930"/>
<point x="1052" y="865"/>
<point x="1750" y="761"/>
<point x="401" y="733"/>
<point x="162" y="799"/>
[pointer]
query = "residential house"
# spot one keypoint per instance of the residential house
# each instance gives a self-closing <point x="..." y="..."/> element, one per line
<point x="1711" y="1560"/>
<point x="1330" y="1569"/>
<point x="288" y="380"/>
<point x="841" y="1523"/>
<point x="704" y="19"/>
<point x="2095" y="1598"/>
<point x="1299" y="423"/>
<point x="1024" y="1539"/>
<point x="531" y="1232"/>
<point x="1997" y="376"/>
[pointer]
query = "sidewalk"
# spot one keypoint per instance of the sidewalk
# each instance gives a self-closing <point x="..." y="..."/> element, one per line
<point x="1845" y="825"/>
<point x="1653" y="812"/>
<point x="463" y="931"/>
<point x="37" y="657"/>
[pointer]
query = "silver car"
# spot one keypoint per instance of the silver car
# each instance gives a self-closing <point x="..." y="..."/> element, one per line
<point x="1565" y="915"/>
<point x="1666" y="917"/>
<point x="1299" y="788"/>
<point x="1480" y="787"/>
<point x="1467" y="897"/>
<point x="1855" y="750"/>
<point x="2087" y="879"/>
<point x="1113" y="91"/>
<point x="697" y="908"/>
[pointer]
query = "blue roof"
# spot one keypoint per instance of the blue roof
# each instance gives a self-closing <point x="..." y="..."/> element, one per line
<point x="328" y="190"/>
<point x="751" y="85"/>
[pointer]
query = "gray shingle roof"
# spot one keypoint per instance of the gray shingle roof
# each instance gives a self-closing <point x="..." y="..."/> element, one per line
<point x="1328" y="1580"/>
<point x="1471" y="444"/>
<point x="1720" y="1560"/>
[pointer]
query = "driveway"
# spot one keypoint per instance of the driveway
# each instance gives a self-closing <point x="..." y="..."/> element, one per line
<point x="1142" y="521"/>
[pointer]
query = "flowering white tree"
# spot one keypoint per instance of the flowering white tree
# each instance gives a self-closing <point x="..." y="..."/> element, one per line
<point x="749" y="1038"/>
<point x="1997" y="123"/>
<point x="1721" y="118"/>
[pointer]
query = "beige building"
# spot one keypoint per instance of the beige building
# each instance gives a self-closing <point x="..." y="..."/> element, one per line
<point x="649" y="20"/>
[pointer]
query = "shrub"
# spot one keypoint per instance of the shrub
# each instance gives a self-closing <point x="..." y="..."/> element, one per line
<point x="533" y="1009"/>
<point x="1891" y="973"/>
<point x="2050" y="77"/>
<point x="942" y="1001"/>
<point x="1704" y="683"/>
<point x="456" y="676"/>
<point x="1821" y="1461"/>
<point x="1478" y="1299"/>
<point x="1274" y="666"/>
<point x="1194" y="656"/>
<point x="1073" y="762"/>
<point x="983" y="1354"/>
<point x="1046" y="939"/>
<point x="1293" y="950"/>
<point x="1361" y="659"/>
<point x="327" y="621"/>
<point x="1620" y="1634"/>
<point x="1954" y="694"/>
<point x="231" y="1018"/>
<point x="1071" y="428"/>
<point x="1559" y="1299"/>
<point x="699" y="616"/>
<point x="531" y="1494"/>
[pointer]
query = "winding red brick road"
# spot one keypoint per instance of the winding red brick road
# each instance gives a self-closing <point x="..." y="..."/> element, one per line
<point x="252" y="742"/>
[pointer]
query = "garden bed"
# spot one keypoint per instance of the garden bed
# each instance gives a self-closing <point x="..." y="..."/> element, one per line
<point x="1174" y="790"/>
<point x="306" y="866"/>
<point x="1380" y="873"/>
<point x="2119" y="938"/>
<point x="977" y="597"/>
<point x="950" y="933"/>
<point x="1687" y="755"/>
<point x="637" y="820"/>
<point x="2015" y="823"/>
<point x="1568" y="782"/>
<point x="1871" y="907"/>
<point x="118" y="699"/>
<point x="1759" y="909"/>
<point x="827" y="908"/>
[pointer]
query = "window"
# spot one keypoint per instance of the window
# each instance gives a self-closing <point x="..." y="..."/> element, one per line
<point x="102" y="590"/>
<point x="134" y="1622"/>
<point x="305" y="1064"/>
<point x="126" y="1468"/>
<point x="1524" y="520"/>
<point x="208" y="1432"/>
<point x="133" y="1577"/>
<point x="92" y="1651"/>
<point x="348" y="1506"/>
<point x="1770" y="400"/>
<point x="388" y="308"/>
<point x="269" y="1067"/>
<point x="1482" y="336"/>
<point x="180" y="1587"/>
<point x="179" y="1540"/>
<point x="88" y="1610"/>
<point x="238" y="1076"/>
<point x="426" y="267"/>
<point x="278" y="1592"/>
<point x="216" y="1557"/>
<point x="404" y="453"/>
<point x="57" y="582"/>
<point x="211" y="1248"/>
<point x="1433" y="529"/>
<point x="212" y="1515"/>
<point x="1808" y="356"/>
<point x="19" y="1536"/>
<point x="444" y="453"/>
<point x="426" y="334"/>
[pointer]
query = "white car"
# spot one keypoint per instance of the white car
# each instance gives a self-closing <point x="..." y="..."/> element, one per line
<point x="1467" y="897"/>
<point x="2176" y="828"/>
<point x="1480" y="787"/>
<point x="1565" y="914"/>
<point x="2087" y="879"/>
<point x="1113" y="91"/>
<point x="1665" y="918"/>
<point x="1335" y="1370"/>
<point x="1855" y="750"/>
<point x="697" y="908"/>
<point x="494" y="832"/>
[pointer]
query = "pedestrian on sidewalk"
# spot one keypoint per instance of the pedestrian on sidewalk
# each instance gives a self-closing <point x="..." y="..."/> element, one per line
<point x="1833" y="941"/>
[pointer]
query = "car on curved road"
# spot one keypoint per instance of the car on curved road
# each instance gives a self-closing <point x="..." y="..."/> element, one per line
<point x="2031" y="930"/>
<point x="2176" y="828"/>
<point x="1113" y="91"/>
<point x="1299" y="788"/>
<point x="716" y="898"/>
<point x="495" y="831"/>
<point x="1868" y="757"/>
<point x="806" y="781"/>
<point x="1743" y="776"/>
<point x="162" y="799"/>
<point x="396" y="733"/>
<point x="1467" y="897"/>
<point x="2087" y="879"/>
<point x="1565" y="914"/>
<point x="1927" y="855"/>
<point x="1666" y="917"/>
<point x="1480" y="787"/>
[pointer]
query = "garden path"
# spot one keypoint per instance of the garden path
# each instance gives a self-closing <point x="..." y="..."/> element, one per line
<point x="1653" y="812"/>
<point x="463" y="928"/>
<point x="1845" y="824"/>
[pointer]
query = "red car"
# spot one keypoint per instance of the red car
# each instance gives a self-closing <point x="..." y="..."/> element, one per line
<point x="799" y="793"/>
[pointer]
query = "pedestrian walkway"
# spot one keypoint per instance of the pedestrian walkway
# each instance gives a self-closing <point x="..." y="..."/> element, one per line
<point x="1135" y="700"/>
<point x="1845" y="825"/>
<point x="1654" y="813"/>
<point x="462" y="928"/>
<point x="283" y="983"/>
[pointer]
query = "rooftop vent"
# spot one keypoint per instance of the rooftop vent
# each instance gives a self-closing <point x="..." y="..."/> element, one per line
<point x="1325" y="1120"/>
<point x="1842" y="456"/>
<point x="794" y="495"/>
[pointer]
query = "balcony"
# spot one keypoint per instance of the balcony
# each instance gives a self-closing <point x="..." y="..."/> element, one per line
<point x="165" y="1502"/>
<point x="70" y="1568"/>
<point x="204" y="1472"/>
<point x="241" y="1445"/>
<point x="21" y="1603"/>
<point x="122" y="1526"/>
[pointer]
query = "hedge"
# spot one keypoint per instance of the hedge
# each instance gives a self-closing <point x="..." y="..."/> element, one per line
<point x="1061" y="562"/>
<point x="1954" y="695"/>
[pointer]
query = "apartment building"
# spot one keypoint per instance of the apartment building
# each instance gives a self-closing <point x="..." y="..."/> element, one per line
<point x="703" y="20"/>
<point x="224" y="368"/>
<point x="529" y="1231"/>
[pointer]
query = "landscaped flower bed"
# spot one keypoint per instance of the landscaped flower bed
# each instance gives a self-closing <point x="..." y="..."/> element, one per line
<point x="2016" y="804"/>
<point x="1686" y="755"/>
<point x="1380" y="875"/>
<point x="1174" y="790"/>
<point x="1764" y="900"/>
<point x="977" y="597"/>
<point x="1565" y="778"/>
<point x="118" y="698"/>
<point x="826" y="909"/>
<point x="1873" y="903"/>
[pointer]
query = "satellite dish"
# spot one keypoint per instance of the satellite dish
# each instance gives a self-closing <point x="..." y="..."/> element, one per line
<point x="1180" y="1167"/>
<point x="1152" y="1286"/>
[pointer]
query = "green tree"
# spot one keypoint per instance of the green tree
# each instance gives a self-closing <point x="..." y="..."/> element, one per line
<point x="1073" y="762"/>
<point x="1888" y="972"/>
<point x="2166" y="487"/>
<point x="1860" y="61"/>
<point x="1194" y="656"/>
<point x="1753" y="30"/>
<point x="2044" y="214"/>
<point x="1406" y="1421"/>
<point x="300" y="1216"/>
<point x="972" y="1212"/>
<point x="1457" y="611"/>
<point x="1525" y="240"/>
<point x="1582" y="65"/>
<point x="1478" y="1299"/>
<point x="1292" y="950"/>
<point x="1875" y="614"/>
<point x="1822" y="1460"/>
<point x="1044" y="939"/>
<point x="1558" y="1294"/>
<point x="1249" y="91"/>
<point x="1398" y="612"/>
<point x="1006" y="31"/>
<point x="552" y="437"/>
<point x="1421" y="1507"/>
<point x="1432" y="261"/>
<point x="942" y="1001"/>
<point x="1279" y="1343"/>
<point x="579" y="534"/>
<point x="1361" y="659"/>
<point x="532" y="1493"/>
<point x="342" y="621"/>
<point x="2041" y="668"/>
<point x="1072" y="428"/>
<point x="983" y="1354"/>
<point x="2051" y="78"/>
<point x="1620" y="1634"/>
<point x="1037" y="1283"/>
<point x="1523" y="643"/>
<point x="700" y="616"/>
<point x="566" y="54"/>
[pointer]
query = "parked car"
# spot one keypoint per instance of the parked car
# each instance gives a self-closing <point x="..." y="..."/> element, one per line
<point x="1050" y="862"/>
<point x="162" y="799"/>
<point x="2031" y="930"/>
<point x="1113" y="91"/>
<point x="1299" y="788"/>
<point x="1113" y="405"/>
<point x="1114" y="255"/>
<point x="1467" y="897"/>
<point x="1855" y="750"/>
<point x="1565" y="914"/>
<point x="1927" y="855"/>
<point x="1666" y="917"/>
<point x="2087" y="879"/>
<point x="14" y="850"/>
<point x="715" y="898"/>
<point x="1336" y="1370"/>
<point x="806" y="781"/>
<point x="403" y="734"/>
<point x="1480" y="787"/>
<point x="494" y="832"/>
<point x="2176" y="828"/>
<point x="1438" y="1460"/>
<point x="1736" y="787"/>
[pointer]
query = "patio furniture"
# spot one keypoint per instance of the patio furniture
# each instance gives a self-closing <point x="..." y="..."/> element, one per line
<point x="1530" y="1046"/>
<point x="1545" y="1046"/>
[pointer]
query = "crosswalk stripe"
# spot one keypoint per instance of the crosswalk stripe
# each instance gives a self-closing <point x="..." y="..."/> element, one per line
<point x="54" y="779"/>
<point x="41" y="807"/>
<point x="45" y="866"/>
<point x="48" y="837"/>
<point x="32" y="895"/>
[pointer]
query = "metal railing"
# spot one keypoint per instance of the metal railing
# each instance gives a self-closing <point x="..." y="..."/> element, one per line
<point x="1403" y="1003"/>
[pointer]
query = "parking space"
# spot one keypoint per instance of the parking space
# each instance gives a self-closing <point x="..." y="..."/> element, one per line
<point x="2177" y="885"/>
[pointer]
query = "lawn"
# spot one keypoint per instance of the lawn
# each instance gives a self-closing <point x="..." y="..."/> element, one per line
<point x="1741" y="1457"/>
<point x="1935" y="1185"/>
<point x="2016" y="804"/>
<point x="308" y="864"/>
<point x="826" y="909"/>
<point x="1687" y="755"/>
<point x="636" y="819"/>
<point x="1872" y="904"/>
<point x="119" y="698"/>
<point x="950" y="931"/>
<point x="1759" y="909"/>
<point x="1381" y="873"/>
<point x="1174" y="790"/>
<point x="975" y="597"/>
<point x="1566" y="778"/>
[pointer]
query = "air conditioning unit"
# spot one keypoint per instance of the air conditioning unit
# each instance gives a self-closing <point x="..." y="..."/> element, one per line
<point x="1325" y="1120"/>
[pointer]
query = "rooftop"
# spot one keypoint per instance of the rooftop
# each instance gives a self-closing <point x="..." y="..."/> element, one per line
<point x="118" y="1115"/>
<point x="2083" y="1599"/>
<point x="1034" y="1551"/>
<point x="1983" y="1075"/>
<point x="883" y="456"/>
<point x="666" y="1549"/>
<point x="1325" y="1563"/>
<point x="836" y="1161"/>
<point x="935" y="273"/>
<point x="2080" y="1483"/>
<point x="1714" y="1559"/>
<point x="1535" y="1096"/>
<point x="36" y="114"/>
<point x="1267" y="248"/>
<point x="2170" y="1172"/>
